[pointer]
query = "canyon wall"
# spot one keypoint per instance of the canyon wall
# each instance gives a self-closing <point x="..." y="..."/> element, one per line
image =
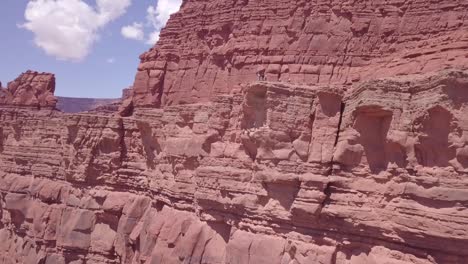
<point x="354" y="150"/>
<point x="212" y="47"/>
<point x="276" y="173"/>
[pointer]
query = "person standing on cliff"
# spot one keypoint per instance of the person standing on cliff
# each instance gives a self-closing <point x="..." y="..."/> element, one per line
<point x="261" y="73"/>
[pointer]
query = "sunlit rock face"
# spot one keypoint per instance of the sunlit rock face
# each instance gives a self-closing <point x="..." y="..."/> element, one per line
<point x="30" y="89"/>
<point x="354" y="150"/>
<point x="213" y="47"/>
<point x="278" y="173"/>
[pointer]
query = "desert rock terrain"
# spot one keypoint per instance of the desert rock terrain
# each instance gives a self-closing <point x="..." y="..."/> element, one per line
<point x="354" y="149"/>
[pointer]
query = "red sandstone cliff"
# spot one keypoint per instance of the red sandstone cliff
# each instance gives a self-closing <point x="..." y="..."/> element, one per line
<point x="333" y="164"/>
<point x="32" y="89"/>
<point x="211" y="47"/>
<point x="279" y="173"/>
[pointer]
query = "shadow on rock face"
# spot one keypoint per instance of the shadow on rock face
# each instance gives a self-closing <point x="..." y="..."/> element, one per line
<point x="330" y="103"/>
<point x="255" y="109"/>
<point x="150" y="143"/>
<point x="373" y="125"/>
<point x="433" y="148"/>
<point x="456" y="88"/>
<point x="223" y="229"/>
<point x="1" y="140"/>
<point x="285" y="194"/>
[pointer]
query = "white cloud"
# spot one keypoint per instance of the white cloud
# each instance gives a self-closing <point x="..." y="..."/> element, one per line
<point x="134" y="31"/>
<point x="110" y="60"/>
<point x="112" y="9"/>
<point x="153" y="38"/>
<point x="157" y="17"/>
<point x="160" y="15"/>
<point x="67" y="29"/>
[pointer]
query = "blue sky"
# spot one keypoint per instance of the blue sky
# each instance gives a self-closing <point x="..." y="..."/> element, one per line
<point x="92" y="46"/>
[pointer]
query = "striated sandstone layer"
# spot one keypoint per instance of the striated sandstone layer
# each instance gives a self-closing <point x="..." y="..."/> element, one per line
<point x="276" y="173"/>
<point x="212" y="47"/>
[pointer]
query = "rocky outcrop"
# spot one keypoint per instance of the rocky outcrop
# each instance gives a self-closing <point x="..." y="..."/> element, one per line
<point x="272" y="173"/>
<point x="213" y="47"/>
<point x="30" y="89"/>
<point x="126" y="106"/>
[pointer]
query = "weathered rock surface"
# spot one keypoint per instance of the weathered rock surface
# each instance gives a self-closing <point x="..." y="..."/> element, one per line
<point x="212" y="47"/>
<point x="355" y="149"/>
<point x="274" y="173"/>
<point x="31" y="89"/>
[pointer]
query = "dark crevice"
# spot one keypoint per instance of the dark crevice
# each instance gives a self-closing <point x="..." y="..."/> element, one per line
<point x="204" y="249"/>
<point x="343" y="105"/>
<point x="159" y="205"/>
<point x="127" y="109"/>
<point x="161" y="88"/>
<point x="333" y="257"/>
<point x="311" y="126"/>
<point x="248" y="252"/>
<point x="327" y="191"/>
<point x="123" y="145"/>
<point x="1" y="139"/>
<point x="150" y="143"/>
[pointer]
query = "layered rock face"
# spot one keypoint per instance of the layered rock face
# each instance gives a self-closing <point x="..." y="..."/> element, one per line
<point x="276" y="173"/>
<point x="212" y="47"/>
<point x="355" y="149"/>
<point x="30" y="89"/>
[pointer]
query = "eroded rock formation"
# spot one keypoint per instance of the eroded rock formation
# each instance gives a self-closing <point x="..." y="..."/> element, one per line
<point x="212" y="47"/>
<point x="30" y="89"/>
<point x="355" y="149"/>
<point x="276" y="173"/>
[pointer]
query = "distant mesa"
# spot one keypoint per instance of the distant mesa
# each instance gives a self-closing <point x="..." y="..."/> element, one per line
<point x="36" y="90"/>
<point x="77" y="105"/>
